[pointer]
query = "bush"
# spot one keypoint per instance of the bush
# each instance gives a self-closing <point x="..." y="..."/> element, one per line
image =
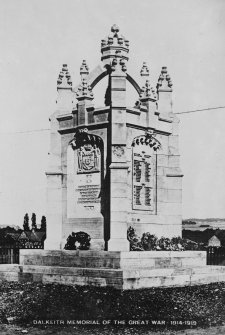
<point x="80" y="240"/>
<point x="151" y="242"/>
<point x="148" y="241"/>
<point x="164" y="243"/>
<point x="191" y="245"/>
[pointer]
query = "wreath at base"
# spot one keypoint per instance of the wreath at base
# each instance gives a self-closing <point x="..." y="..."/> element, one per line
<point x="78" y="241"/>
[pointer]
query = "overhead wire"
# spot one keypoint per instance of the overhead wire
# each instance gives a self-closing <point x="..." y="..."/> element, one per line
<point x="47" y="129"/>
<point x="200" y="110"/>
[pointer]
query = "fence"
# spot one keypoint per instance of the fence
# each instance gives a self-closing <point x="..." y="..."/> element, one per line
<point x="9" y="255"/>
<point x="30" y="245"/>
<point x="216" y="256"/>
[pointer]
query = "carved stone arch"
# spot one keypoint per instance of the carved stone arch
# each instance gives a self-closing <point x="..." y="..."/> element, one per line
<point x="144" y="172"/>
<point x="96" y="78"/>
<point x="134" y="83"/>
<point x="82" y="137"/>
<point x="85" y="165"/>
<point x="147" y="139"/>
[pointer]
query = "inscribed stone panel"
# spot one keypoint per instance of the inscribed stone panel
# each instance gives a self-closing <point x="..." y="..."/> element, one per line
<point x="84" y="181"/>
<point x="144" y="178"/>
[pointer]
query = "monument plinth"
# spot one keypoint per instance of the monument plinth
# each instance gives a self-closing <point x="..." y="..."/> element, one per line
<point x="117" y="165"/>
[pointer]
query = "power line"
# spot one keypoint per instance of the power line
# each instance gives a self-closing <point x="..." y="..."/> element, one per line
<point x="200" y="110"/>
<point x="47" y="129"/>
<point x="25" y="131"/>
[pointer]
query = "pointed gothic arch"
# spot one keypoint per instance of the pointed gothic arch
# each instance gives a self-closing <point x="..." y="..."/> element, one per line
<point x="100" y="73"/>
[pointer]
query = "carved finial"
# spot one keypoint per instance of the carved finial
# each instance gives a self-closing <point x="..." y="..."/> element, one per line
<point x="164" y="81"/>
<point x="84" y="69"/>
<point x="114" y="45"/>
<point x="123" y="65"/>
<point x="115" y="29"/>
<point x="144" y="70"/>
<point x="64" y="79"/>
<point x="84" y="91"/>
<point x="147" y="92"/>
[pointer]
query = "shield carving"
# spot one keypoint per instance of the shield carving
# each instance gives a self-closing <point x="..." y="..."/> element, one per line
<point x="88" y="159"/>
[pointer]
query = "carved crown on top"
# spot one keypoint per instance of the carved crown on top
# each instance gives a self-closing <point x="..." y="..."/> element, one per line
<point x="114" y="46"/>
<point x="84" y="69"/>
<point x="115" y="39"/>
<point x="148" y="92"/>
<point x="84" y="91"/>
<point x="64" y="78"/>
<point x="144" y="70"/>
<point x="164" y="81"/>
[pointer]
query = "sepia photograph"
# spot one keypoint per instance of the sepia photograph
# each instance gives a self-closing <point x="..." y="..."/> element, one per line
<point x="112" y="175"/>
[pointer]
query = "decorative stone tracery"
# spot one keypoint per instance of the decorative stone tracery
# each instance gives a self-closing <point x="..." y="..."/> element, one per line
<point x="83" y="137"/>
<point x="147" y="139"/>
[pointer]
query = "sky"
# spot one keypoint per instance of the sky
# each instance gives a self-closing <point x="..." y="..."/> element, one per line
<point x="37" y="37"/>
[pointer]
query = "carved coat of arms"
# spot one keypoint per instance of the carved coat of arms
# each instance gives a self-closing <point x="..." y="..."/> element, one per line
<point x="88" y="159"/>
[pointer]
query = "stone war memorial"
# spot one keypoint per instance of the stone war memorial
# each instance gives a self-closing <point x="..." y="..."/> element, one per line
<point x="117" y="165"/>
<point x="110" y="168"/>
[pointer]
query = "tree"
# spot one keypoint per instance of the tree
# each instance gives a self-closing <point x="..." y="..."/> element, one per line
<point x="33" y="220"/>
<point x="26" y="223"/>
<point x="43" y="223"/>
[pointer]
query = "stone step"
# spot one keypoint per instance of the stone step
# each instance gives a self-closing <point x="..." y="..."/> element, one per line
<point x="117" y="278"/>
<point x="172" y="281"/>
<point x="113" y="260"/>
<point x="127" y="273"/>
<point x="122" y="270"/>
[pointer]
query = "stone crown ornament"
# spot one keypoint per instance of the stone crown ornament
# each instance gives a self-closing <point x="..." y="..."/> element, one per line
<point x="114" y="46"/>
<point x="144" y="70"/>
<point x="164" y="81"/>
<point x="64" y="80"/>
<point x="147" y="92"/>
<point x="84" y="69"/>
<point x="84" y="91"/>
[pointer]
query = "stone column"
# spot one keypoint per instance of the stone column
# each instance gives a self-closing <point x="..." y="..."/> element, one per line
<point x="171" y="180"/>
<point x="118" y="167"/>
<point x="54" y="173"/>
<point x="114" y="49"/>
<point x="164" y="90"/>
<point x="54" y="211"/>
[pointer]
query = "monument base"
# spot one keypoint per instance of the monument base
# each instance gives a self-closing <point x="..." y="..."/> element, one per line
<point x="118" y="244"/>
<point x="121" y="270"/>
<point x="97" y="244"/>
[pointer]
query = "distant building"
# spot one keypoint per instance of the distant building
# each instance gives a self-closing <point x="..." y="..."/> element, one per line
<point x="214" y="241"/>
<point x="26" y="240"/>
